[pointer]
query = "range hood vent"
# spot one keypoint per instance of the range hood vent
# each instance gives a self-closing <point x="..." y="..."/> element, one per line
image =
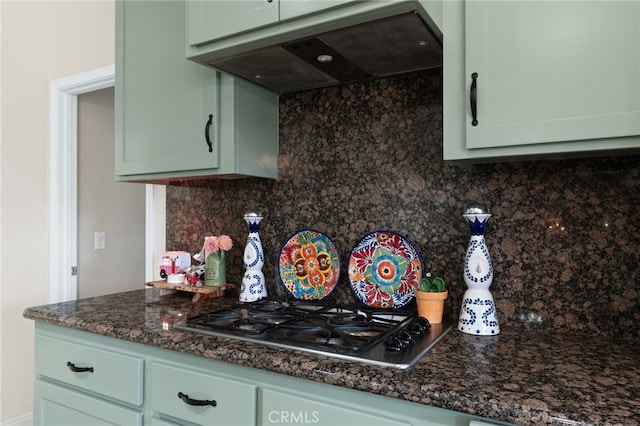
<point x="395" y="45"/>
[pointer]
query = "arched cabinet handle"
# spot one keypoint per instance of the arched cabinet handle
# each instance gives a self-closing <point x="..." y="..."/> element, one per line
<point x="474" y="99"/>
<point x="206" y="132"/>
<point x="75" y="369"/>
<point x="197" y="402"/>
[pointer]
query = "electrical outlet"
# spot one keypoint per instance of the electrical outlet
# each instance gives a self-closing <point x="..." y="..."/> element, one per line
<point x="99" y="240"/>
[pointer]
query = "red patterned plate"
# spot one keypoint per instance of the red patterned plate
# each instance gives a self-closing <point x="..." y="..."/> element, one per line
<point x="384" y="270"/>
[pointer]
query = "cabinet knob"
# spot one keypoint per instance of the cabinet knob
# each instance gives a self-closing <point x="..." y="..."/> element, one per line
<point x="206" y="132"/>
<point x="196" y="402"/>
<point x="474" y="99"/>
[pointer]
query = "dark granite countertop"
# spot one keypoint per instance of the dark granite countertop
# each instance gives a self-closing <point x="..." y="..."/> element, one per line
<point x="523" y="376"/>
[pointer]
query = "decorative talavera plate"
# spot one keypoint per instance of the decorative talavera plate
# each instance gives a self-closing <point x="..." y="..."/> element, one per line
<point x="384" y="270"/>
<point x="309" y="265"/>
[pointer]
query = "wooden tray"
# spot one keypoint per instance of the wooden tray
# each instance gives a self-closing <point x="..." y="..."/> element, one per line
<point x="199" y="293"/>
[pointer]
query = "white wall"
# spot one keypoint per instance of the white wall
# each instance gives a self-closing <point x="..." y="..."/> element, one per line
<point x="39" y="42"/>
<point x="116" y="208"/>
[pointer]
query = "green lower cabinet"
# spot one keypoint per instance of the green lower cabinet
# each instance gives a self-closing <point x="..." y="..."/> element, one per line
<point x="56" y="405"/>
<point x="285" y="408"/>
<point x="195" y="396"/>
<point x="158" y="422"/>
<point x="159" y="387"/>
<point x="106" y="371"/>
<point x="284" y="400"/>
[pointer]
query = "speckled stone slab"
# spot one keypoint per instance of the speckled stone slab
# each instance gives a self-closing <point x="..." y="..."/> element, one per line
<point x="564" y="235"/>
<point x="525" y="376"/>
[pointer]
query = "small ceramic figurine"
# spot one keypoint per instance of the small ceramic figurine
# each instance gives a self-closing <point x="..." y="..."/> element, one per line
<point x="253" y="285"/>
<point x="478" y="312"/>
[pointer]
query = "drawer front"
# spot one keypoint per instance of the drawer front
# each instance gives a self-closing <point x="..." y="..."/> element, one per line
<point x="158" y="422"/>
<point x="115" y="375"/>
<point x="56" y="405"/>
<point x="235" y="402"/>
<point x="282" y="408"/>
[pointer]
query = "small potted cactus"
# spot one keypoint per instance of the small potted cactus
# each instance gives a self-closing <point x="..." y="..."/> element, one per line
<point x="430" y="297"/>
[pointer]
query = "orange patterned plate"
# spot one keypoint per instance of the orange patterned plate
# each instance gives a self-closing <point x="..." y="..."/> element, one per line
<point x="384" y="270"/>
<point x="309" y="265"/>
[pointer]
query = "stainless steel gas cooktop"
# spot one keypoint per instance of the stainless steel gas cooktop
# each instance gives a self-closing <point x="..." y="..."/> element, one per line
<point x="395" y="339"/>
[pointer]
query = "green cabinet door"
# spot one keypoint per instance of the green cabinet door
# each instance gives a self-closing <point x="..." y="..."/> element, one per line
<point x="219" y="30"/>
<point x="290" y="9"/>
<point x="210" y="20"/>
<point x="553" y="71"/>
<point x="178" y="119"/>
<point x="58" y="406"/>
<point x="163" y="102"/>
<point x="544" y="78"/>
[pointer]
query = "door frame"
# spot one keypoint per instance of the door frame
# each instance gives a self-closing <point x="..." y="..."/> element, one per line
<point x="63" y="180"/>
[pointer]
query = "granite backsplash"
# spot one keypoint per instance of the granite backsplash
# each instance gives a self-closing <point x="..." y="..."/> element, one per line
<point x="564" y="237"/>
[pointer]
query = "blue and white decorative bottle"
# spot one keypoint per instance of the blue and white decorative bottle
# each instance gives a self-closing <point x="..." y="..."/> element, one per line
<point x="253" y="285"/>
<point x="478" y="312"/>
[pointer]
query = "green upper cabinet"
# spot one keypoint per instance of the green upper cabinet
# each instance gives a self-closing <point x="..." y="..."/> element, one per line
<point x="162" y="101"/>
<point x="219" y="30"/>
<point x="210" y="20"/>
<point x="295" y="8"/>
<point x="543" y="78"/>
<point x="178" y="119"/>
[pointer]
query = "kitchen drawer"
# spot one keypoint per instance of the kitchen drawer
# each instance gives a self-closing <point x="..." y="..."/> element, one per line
<point x="281" y="407"/>
<point x="158" y="422"/>
<point x="235" y="401"/>
<point x="114" y="374"/>
<point x="57" y="405"/>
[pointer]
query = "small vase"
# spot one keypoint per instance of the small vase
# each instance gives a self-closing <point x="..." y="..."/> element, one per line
<point x="478" y="312"/>
<point x="253" y="285"/>
<point x="431" y="305"/>
<point x="215" y="272"/>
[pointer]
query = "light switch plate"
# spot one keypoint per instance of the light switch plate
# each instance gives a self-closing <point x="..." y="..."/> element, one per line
<point x="99" y="242"/>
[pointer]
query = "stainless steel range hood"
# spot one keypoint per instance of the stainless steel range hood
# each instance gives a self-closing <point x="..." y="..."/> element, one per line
<point x="381" y="48"/>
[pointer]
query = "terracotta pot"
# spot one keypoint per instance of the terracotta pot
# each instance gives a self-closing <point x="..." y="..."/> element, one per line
<point x="431" y="305"/>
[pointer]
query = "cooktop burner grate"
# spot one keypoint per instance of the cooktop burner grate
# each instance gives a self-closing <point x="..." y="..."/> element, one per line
<point x="389" y="338"/>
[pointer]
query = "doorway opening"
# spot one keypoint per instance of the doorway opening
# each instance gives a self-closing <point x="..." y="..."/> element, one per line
<point x="64" y="186"/>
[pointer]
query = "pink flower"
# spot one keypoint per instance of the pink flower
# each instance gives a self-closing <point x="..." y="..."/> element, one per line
<point x="225" y="243"/>
<point x="210" y="244"/>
